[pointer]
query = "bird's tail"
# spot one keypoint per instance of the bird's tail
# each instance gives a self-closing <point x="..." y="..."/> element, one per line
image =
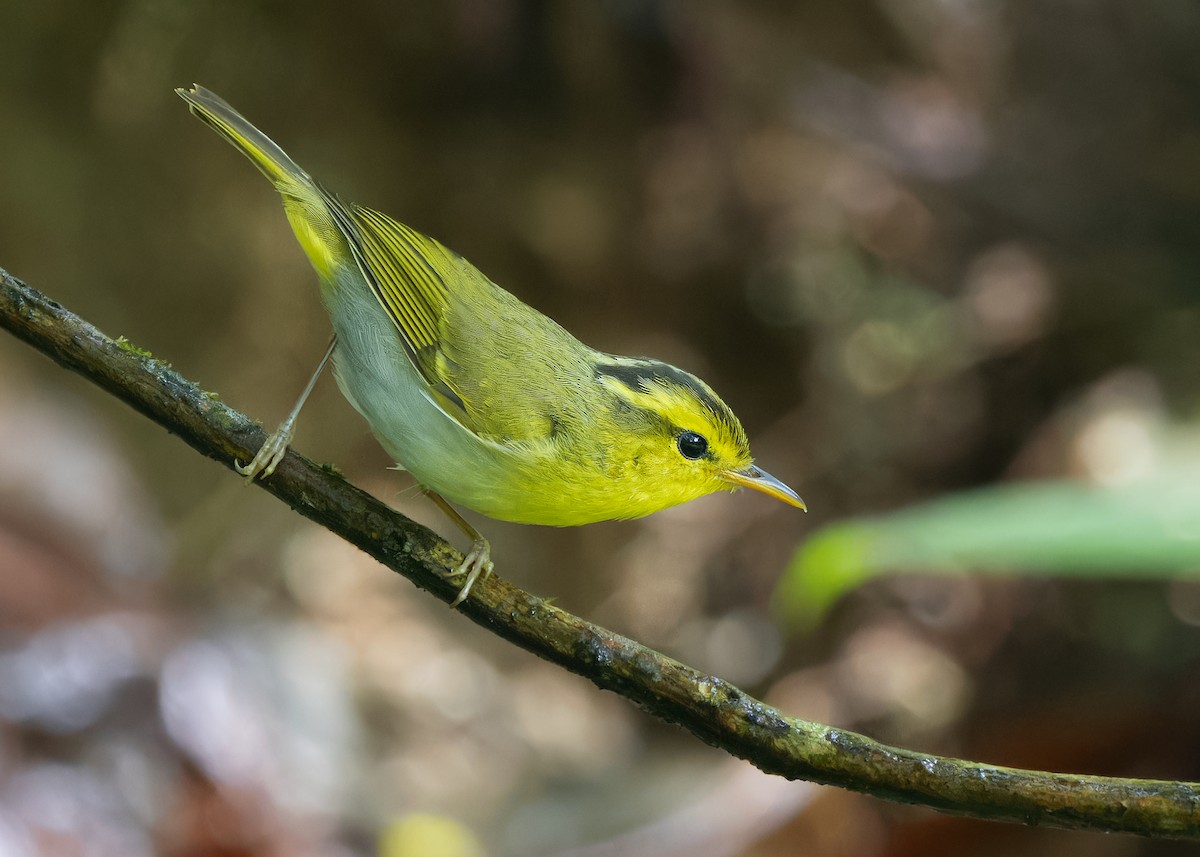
<point x="216" y="113"/>
<point x="307" y="205"/>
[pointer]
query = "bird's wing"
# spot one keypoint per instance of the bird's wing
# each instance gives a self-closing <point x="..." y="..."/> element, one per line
<point x="407" y="273"/>
<point x="476" y="346"/>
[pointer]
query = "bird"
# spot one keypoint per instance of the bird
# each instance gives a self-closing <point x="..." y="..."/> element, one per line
<point x="488" y="403"/>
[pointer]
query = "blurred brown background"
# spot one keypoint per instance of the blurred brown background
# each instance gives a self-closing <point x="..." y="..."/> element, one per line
<point x="918" y="247"/>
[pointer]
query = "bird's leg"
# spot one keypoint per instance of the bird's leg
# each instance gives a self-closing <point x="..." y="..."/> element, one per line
<point x="478" y="560"/>
<point x="272" y="451"/>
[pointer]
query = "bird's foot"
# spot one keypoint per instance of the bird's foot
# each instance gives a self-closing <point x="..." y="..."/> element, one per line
<point x="269" y="455"/>
<point x="478" y="563"/>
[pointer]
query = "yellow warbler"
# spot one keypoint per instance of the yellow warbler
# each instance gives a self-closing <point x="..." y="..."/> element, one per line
<point x="487" y="402"/>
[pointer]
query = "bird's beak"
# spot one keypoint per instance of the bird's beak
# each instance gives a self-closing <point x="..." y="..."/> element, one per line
<point x="760" y="480"/>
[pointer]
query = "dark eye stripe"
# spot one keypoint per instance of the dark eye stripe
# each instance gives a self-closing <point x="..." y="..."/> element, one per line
<point x="640" y="375"/>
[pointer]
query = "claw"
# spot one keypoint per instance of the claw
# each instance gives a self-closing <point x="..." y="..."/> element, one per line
<point x="478" y="563"/>
<point x="276" y="445"/>
<point x="269" y="456"/>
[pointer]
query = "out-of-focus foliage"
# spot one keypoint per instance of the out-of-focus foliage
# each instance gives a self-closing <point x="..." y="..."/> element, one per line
<point x="422" y="835"/>
<point x="920" y="248"/>
<point x="1145" y="526"/>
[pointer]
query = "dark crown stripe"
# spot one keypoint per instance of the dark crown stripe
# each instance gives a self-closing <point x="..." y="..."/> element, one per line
<point x="638" y="375"/>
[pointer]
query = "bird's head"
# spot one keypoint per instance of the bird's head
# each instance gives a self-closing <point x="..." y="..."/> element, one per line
<point x="681" y="441"/>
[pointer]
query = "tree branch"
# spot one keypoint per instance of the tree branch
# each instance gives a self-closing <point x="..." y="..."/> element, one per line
<point x="711" y="709"/>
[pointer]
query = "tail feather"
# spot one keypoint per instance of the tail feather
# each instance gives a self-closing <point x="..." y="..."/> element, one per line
<point x="215" y="112"/>
<point x="307" y="206"/>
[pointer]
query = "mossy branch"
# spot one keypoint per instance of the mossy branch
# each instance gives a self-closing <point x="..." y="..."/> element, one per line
<point x="711" y="709"/>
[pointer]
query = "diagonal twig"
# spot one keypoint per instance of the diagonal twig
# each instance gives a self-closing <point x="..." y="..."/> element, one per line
<point x="711" y="709"/>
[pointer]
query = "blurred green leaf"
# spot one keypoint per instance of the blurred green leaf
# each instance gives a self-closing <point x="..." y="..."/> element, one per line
<point x="1060" y="528"/>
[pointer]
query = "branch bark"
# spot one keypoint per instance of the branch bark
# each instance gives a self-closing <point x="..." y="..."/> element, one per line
<point x="713" y="710"/>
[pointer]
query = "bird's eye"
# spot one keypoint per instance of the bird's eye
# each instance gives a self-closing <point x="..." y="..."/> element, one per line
<point x="691" y="445"/>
